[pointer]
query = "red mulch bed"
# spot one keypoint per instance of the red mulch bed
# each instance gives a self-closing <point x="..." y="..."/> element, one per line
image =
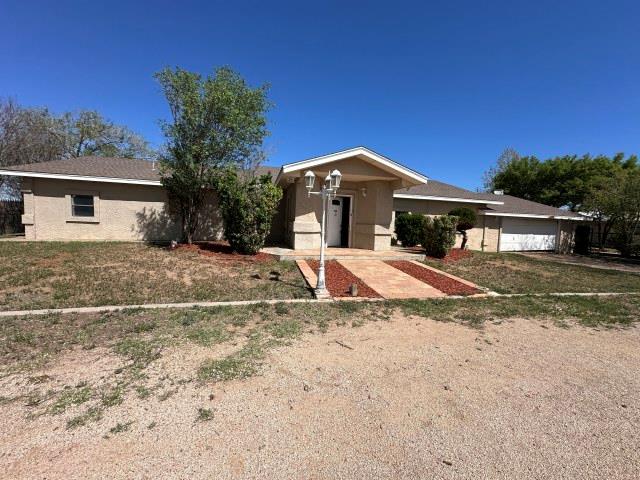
<point x="441" y="282"/>
<point x="222" y="251"/>
<point x="454" y="255"/>
<point x="339" y="279"/>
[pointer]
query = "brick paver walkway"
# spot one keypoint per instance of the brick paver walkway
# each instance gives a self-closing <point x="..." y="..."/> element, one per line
<point x="388" y="281"/>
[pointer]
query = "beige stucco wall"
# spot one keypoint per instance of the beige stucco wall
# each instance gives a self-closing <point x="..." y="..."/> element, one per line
<point x="429" y="207"/>
<point x="565" y="239"/>
<point x="139" y="212"/>
<point x="123" y="212"/>
<point x="371" y="221"/>
<point x="492" y="228"/>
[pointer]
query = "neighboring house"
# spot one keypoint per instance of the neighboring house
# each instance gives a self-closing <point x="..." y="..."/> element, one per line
<point x="96" y="198"/>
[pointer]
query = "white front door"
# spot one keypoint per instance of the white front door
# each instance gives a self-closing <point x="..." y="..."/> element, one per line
<point x="334" y="222"/>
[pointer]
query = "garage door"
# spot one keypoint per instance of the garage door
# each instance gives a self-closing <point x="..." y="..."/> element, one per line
<point x="527" y="234"/>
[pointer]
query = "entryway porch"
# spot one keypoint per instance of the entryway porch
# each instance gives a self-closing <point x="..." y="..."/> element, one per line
<point x="359" y="215"/>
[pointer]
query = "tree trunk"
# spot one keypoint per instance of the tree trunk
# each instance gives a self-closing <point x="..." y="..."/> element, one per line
<point x="600" y="234"/>
<point x="464" y="240"/>
<point x="605" y="233"/>
<point x="186" y="229"/>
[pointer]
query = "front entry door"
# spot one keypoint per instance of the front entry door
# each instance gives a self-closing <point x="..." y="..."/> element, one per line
<point x="334" y="222"/>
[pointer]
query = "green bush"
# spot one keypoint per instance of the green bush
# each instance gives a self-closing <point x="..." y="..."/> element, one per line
<point x="467" y="219"/>
<point x="410" y="228"/>
<point x="247" y="206"/>
<point x="439" y="235"/>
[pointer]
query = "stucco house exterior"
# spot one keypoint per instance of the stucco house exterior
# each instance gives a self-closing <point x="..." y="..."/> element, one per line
<point x="97" y="198"/>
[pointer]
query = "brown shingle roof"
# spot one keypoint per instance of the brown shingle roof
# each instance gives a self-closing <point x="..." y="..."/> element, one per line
<point x="520" y="206"/>
<point x="434" y="188"/>
<point x="108" y="167"/>
<point x="129" y="168"/>
<point x="272" y="171"/>
<point x="512" y="205"/>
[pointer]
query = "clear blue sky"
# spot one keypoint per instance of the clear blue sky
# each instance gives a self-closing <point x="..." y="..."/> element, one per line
<point x="442" y="87"/>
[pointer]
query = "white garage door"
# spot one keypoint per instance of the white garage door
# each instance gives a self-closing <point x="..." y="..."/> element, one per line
<point x="527" y="234"/>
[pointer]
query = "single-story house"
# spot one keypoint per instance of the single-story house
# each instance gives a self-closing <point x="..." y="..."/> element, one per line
<point x="97" y="198"/>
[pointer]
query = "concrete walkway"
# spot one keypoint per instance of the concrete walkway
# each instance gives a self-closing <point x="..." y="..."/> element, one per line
<point x="240" y="303"/>
<point x="388" y="281"/>
<point x="152" y="306"/>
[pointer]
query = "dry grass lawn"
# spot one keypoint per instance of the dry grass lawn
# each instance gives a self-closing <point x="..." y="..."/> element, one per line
<point x="514" y="273"/>
<point x="36" y="275"/>
<point x="492" y="388"/>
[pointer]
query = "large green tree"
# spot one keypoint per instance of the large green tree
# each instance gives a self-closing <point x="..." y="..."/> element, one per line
<point x="563" y="181"/>
<point x="615" y="206"/>
<point x="217" y="123"/>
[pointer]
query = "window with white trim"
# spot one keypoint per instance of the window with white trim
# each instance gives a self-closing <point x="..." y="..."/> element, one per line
<point x="82" y="206"/>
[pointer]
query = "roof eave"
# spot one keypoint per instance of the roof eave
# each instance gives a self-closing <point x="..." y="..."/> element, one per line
<point x="531" y="215"/>
<point x="446" y="199"/>
<point x="82" y="178"/>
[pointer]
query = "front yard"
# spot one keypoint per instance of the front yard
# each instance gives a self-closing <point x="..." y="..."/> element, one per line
<point x="77" y="274"/>
<point x="35" y="275"/>
<point x="458" y="387"/>
<point x="515" y="273"/>
<point x="461" y="388"/>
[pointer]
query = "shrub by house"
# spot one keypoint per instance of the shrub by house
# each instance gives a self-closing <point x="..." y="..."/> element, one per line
<point x="467" y="219"/>
<point x="410" y="229"/>
<point x="439" y="235"/>
<point x="248" y="206"/>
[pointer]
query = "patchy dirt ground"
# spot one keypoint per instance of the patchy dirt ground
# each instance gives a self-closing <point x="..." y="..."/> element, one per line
<point x="538" y="273"/>
<point x="36" y="275"/>
<point x="602" y="262"/>
<point x="407" y="398"/>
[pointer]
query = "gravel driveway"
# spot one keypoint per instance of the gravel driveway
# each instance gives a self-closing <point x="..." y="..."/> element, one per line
<point x="410" y="398"/>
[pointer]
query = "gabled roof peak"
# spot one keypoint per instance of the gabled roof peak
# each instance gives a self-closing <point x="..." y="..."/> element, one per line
<point x="367" y="154"/>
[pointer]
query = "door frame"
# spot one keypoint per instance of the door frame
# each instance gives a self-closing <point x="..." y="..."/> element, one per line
<point x="352" y="199"/>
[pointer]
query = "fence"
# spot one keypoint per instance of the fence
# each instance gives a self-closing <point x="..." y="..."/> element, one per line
<point x="609" y="244"/>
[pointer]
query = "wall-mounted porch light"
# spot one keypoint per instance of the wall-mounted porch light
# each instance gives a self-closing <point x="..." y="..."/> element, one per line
<point x="336" y="177"/>
<point x="309" y="181"/>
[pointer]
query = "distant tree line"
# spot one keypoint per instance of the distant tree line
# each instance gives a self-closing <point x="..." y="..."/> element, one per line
<point x="605" y="188"/>
<point x="35" y="134"/>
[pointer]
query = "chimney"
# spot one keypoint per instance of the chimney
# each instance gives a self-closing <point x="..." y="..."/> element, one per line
<point x="498" y="192"/>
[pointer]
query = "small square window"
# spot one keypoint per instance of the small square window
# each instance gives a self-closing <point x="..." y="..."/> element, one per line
<point x="82" y="206"/>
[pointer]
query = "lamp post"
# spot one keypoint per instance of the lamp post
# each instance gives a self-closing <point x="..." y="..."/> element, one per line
<point x="328" y="190"/>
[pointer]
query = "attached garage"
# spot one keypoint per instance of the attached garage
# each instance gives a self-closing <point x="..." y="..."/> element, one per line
<point x="521" y="234"/>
